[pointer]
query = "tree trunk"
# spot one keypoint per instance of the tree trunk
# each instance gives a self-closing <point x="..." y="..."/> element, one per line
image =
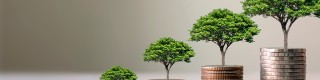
<point x="223" y="57"/>
<point x="285" y="41"/>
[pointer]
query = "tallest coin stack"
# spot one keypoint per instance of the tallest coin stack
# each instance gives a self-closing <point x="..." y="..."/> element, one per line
<point x="277" y="64"/>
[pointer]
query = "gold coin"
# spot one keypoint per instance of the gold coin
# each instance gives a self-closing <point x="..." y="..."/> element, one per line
<point x="223" y="72"/>
<point x="221" y="77"/>
<point x="221" y="68"/>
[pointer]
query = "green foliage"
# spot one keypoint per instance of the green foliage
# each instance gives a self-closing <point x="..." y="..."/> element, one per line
<point x="284" y="8"/>
<point x="168" y="51"/>
<point x="317" y="13"/>
<point x="223" y="26"/>
<point x="118" y="73"/>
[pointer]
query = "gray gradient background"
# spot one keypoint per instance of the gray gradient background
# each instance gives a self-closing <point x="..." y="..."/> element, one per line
<point x="1" y="32"/>
<point x="93" y="35"/>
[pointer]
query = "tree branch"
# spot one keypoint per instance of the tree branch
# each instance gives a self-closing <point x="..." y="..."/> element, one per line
<point x="286" y="21"/>
<point x="164" y="63"/>
<point x="283" y="18"/>
<point x="221" y="48"/>
<point x="214" y="41"/>
<point x="279" y="17"/>
<point x="228" y="45"/>
<point x="282" y="21"/>
<point x="275" y="17"/>
<point x="291" y="22"/>
<point x="170" y="65"/>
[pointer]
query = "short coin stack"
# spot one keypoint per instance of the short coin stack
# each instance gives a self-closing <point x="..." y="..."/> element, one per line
<point x="219" y="72"/>
<point x="278" y="64"/>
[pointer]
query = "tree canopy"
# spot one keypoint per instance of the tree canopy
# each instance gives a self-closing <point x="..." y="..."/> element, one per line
<point x="118" y="73"/>
<point x="223" y="27"/>
<point x="168" y="51"/>
<point x="280" y="8"/>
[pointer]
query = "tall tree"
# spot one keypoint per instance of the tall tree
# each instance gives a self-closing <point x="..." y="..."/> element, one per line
<point x="284" y="11"/>
<point x="224" y="27"/>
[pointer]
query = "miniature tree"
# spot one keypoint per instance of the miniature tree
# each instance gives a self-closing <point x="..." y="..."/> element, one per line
<point x="118" y="73"/>
<point x="168" y="51"/>
<point x="223" y="27"/>
<point x="284" y="11"/>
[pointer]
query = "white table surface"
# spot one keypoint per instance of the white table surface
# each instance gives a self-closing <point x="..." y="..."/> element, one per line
<point x="95" y="76"/>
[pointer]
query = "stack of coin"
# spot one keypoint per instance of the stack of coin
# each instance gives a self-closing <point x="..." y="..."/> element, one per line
<point x="281" y="64"/>
<point x="219" y="72"/>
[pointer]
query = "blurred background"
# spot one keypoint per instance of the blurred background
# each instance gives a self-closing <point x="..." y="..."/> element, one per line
<point x="80" y="39"/>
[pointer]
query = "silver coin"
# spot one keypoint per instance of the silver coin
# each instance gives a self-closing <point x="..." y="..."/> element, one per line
<point x="282" y="74"/>
<point x="282" y="58"/>
<point x="283" y="77"/>
<point x="303" y="70"/>
<point x="283" y="66"/>
<point x="281" y="62"/>
<point x="278" y="64"/>
<point x="282" y="50"/>
<point x="281" y="54"/>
